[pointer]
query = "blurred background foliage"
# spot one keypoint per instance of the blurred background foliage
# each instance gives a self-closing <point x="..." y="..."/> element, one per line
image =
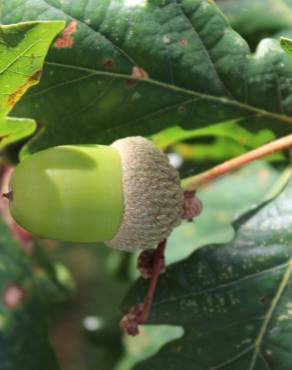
<point x="257" y="19"/>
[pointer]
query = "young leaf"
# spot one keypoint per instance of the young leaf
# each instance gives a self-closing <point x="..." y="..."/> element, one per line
<point x="136" y="66"/>
<point x="230" y="130"/>
<point x="233" y="301"/>
<point x="286" y="45"/>
<point x="23" y="48"/>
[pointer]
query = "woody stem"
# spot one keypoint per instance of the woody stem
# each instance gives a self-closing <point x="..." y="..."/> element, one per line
<point x="194" y="182"/>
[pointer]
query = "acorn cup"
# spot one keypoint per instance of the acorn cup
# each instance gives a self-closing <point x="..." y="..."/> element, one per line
<point x="126" y="194"/>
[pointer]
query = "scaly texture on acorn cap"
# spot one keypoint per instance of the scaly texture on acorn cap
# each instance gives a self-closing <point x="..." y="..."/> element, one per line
<point x="153" y="197"/>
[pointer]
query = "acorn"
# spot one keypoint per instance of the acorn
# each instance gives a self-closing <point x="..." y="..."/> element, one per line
<point x="126" y="194"/>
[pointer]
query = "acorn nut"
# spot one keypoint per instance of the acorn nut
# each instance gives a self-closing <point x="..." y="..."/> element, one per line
<point x="126" y="194"/>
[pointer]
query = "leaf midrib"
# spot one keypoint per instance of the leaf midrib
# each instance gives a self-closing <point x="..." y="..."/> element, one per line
<point x="217" y="99"/>
<point x="126" y="55"/>
<point x="256" y="346"/>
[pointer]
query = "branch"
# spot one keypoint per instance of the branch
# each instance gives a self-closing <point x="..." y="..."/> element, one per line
<point x="194" y="182"/>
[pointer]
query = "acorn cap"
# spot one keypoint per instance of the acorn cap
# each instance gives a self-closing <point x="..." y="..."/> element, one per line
<point x="153" y="197"/>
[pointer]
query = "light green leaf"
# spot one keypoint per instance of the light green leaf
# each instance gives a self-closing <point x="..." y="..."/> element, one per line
<point x="23" y="48"/>
<point x="230" y="130"/>
<point x="286" y="45"/>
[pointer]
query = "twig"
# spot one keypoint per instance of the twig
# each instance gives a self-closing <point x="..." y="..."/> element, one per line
<point x="194" y="182"/>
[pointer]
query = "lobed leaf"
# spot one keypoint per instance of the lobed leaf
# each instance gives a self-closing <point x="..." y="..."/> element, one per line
<point x="133" y="67"/>
<point x="286" y="45"/>
<point x="233" y="301"/>
<point x="23" y="48"/>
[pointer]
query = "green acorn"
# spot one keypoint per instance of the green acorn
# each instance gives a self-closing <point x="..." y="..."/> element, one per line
<point x="126" y="194"/>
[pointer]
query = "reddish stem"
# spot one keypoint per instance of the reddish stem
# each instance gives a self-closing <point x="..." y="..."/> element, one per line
<point x="194" y="182"/>
<point x="157" y="267"/>
<point x="139" y="313"/>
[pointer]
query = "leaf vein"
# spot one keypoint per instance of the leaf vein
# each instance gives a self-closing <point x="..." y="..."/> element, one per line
<point x="270" y="312"/>
<point x="265" y="361"/>
<point x="234" y="358"/>
<point x="19" y="56"/>
<point x="65" y="83"/>
<point x="224" y="285"/>
<point x="206" y="52"/>
<point x="217" y="99"/>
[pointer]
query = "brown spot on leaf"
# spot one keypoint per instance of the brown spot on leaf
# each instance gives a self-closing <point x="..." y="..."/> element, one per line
<point x="108" y="63"/>
<point x="66" y="40"/>
<point x="139" y="73"/>
<point x="263" y="300"/>
<point x="36" y="76"/>
<point x="184" y="42"/>
<point x="14" y="295"/>
<point x="182" y="109"/>
<point x="17" y="94"/>
<point x="3" y="137"/>
<point x="130" y="84"/>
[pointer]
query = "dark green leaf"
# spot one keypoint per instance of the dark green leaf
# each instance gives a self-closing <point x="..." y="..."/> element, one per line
<point x="23" y="326"/>
<point x="233" y="301"/>
<point x="23" y="48"/>
<point x="135" y="67"/>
